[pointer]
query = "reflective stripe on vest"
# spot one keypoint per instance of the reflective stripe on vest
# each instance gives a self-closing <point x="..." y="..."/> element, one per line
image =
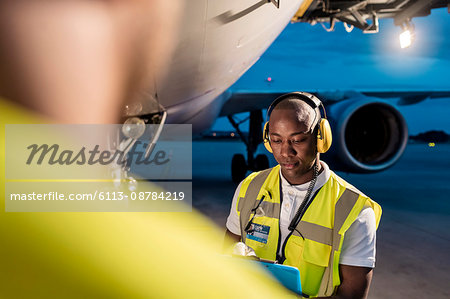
<point x="314" y="246"/>
<point x="261" y="185"/>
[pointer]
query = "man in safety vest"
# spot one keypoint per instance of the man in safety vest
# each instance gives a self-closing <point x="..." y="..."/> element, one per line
<point x="301" y="213"/>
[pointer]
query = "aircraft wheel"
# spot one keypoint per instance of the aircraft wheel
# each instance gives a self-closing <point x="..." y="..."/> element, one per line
<point x="261" y="162"/>
<point x="238" y="168"/>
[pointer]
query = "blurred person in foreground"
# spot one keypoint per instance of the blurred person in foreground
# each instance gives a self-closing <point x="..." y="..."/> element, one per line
<point x="79" y="62"/>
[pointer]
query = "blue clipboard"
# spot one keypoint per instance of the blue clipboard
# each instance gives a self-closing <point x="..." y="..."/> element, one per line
<point x="288" y="276"/>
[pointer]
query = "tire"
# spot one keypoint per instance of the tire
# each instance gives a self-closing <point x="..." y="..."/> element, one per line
<point x="238" y="168"/>
<point x="261" y="162"/>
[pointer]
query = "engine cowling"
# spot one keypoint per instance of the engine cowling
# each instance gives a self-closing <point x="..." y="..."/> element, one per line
<point x="369" y="135"/>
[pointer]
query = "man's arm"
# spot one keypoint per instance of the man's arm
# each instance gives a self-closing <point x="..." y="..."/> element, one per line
<point x="357" y="257"/>
<point x="232" y="223"/>
<point x="355" y="282"/>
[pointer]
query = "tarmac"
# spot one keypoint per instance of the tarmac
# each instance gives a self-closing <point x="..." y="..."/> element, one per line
<point x="413" y="240"/>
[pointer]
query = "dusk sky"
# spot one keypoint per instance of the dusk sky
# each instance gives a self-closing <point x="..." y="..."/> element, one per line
<point x="308" y="58"/>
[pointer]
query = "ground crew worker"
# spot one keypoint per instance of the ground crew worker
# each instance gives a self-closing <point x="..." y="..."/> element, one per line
<point x="301" y="213"/>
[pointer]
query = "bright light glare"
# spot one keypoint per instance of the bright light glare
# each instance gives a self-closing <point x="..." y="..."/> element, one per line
<point x="405" y="39"/>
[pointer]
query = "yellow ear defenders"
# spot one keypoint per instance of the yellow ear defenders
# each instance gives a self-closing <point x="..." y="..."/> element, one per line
<point x="324" y="136"/>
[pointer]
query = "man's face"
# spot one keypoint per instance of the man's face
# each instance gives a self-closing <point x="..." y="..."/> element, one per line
<point x="293" y="145"/>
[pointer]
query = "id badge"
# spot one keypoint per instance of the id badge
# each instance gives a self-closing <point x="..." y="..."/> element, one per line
<point x="258" y="233"/>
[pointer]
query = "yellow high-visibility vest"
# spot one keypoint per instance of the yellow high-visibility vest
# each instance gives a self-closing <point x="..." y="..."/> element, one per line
<point x="315" y="244"/>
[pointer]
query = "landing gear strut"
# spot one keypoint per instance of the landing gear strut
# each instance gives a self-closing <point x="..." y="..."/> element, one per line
<point x="239" y="166"/>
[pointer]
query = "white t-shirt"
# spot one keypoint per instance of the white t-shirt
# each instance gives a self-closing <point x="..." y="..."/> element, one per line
<point x="358" y="248"/>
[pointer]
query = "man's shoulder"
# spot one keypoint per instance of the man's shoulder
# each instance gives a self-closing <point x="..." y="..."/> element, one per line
<point x="252" y="175"/>
<point x="340" y="181"/>
<point x="368" y="202"/>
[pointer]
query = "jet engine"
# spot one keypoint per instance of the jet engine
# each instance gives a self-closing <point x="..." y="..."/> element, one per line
<point x="369" y="135"/>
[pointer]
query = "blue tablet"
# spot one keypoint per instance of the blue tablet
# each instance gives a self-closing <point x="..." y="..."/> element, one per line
<point x="287" y="275"/>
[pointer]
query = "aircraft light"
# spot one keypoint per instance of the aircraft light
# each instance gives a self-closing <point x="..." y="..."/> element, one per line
<point x="405" y="39"/>
<point x="407" y="36"/>
<point x="431" y="144"/>
<point x="133" y="127"/>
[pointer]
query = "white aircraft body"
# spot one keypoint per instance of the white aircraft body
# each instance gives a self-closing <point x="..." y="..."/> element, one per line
<point x="218" y="41"/>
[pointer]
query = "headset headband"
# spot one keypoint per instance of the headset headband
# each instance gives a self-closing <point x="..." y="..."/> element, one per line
<point x="308" y="98"/>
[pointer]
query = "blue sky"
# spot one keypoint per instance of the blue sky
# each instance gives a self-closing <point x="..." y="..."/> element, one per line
<point x="306" y="57"/>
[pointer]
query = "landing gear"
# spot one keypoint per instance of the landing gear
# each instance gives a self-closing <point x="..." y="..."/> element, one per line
<point x="239" y="165"/>
<point x="261" y="162"/>
<point x="238" y="168"/>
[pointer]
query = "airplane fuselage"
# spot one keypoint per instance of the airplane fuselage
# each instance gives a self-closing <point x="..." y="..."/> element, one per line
<point x="217" y="42"/>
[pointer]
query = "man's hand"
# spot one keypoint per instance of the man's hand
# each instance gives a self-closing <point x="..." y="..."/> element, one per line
<point x="243" y="250"/>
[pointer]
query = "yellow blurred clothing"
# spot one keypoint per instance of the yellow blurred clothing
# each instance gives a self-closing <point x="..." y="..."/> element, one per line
<point x="123" y="255"/>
